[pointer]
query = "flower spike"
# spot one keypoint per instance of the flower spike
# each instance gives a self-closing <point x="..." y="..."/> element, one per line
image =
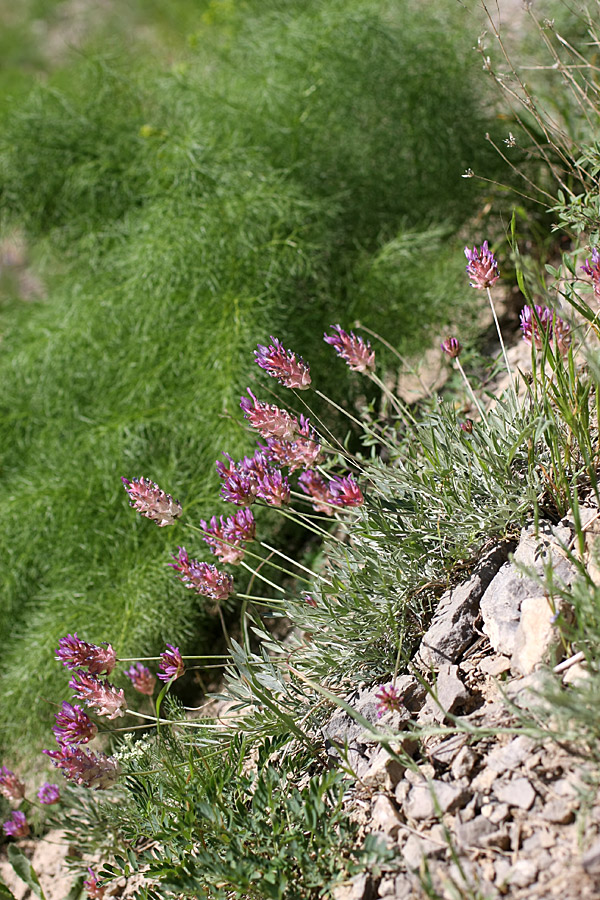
<point x="290" y="370"/>
<point x="101" y="694"/>
<point x="91" y="770"/>
<point x="202" y="577"/>
<point x="11" y="786"/>
<point x="142" y="679"/>
<point x="152" y="502"/>
<point x="75" y="653"/>
<point x="17" y="825"/>
<point x="171" y="664"/>
<point x="355" y="351"/>
<point x="482" y="267"/>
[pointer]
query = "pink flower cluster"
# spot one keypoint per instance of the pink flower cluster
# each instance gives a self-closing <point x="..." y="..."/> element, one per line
<point x="290" y="370"/>
<point x="253" y="478"/>
<point x="75" y="653"/>
<point x="202" y="577"/>
<point x="91" y="770"/>
<point x="94" y="889"/>
<point x="301" y="453"/>
<point x="539" y="323"/>
<point x="151" y="501"/>
<point x="104" y="696"/>
<point x="355" y="351"/>
<point x="338" y="492"/>
<point x="141" y="678"/>
<point x="227" y="537"/>
<point x="171" y="664"/>
<point x="593" y="271"/>
<point x="269" y="420"/>
<point x="482" y="267"/>
<point x="388" y="699"/>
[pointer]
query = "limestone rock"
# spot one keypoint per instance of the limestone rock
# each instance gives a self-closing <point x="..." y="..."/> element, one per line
<point x="536" y="636"/>
<point x="385" y="816"/>
<point x="517" y="792"/>
<point x="383" y="771"/>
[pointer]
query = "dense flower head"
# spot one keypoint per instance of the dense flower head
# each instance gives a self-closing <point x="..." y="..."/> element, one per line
<point x="104" y="696"/>
<point x="290" y="370"/>
<point x="301" y="453"/>
<point x="75" y="654"/>
<point x="310" y="600"/>
<point x="171" y="664"/>
<point x="540" y="321"/>
<point x="226" y="536"/>
<point x="313" y="484"/>
<point x="355" y="351"/>
<point x="593" y="271"/>
<point x="94" y="889"/>
<point x="344" y="491"/>
<point x="251" y="478"/>
<point x="17" y="825"/>
<point x="151" y="501"/>
<point x="11" y="786"/>
<point x="451" y="347"/>
<point x="268" y="419"/>
<point x="388" y="699"/>
<point x="467" y="426"/>
<point x="91" y="770"/>
<point x="142" y="679"/>
<point x="73" y="725"/>
<point x="482" y="267"/>
<point x="202" y="577"/>
<point x="48" y="794"/>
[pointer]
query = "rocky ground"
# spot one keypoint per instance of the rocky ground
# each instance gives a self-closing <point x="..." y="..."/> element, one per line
<point x="491" y="813"/>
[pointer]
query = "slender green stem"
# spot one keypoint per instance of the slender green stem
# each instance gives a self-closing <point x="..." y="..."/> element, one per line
<point x="261" y="600"/>
<point x="506" y="362"/>
<point x="470" y="389"/>
<point x="400" y="409"/>
<point x="352" y="418"/>
<point x="288" y="559"/>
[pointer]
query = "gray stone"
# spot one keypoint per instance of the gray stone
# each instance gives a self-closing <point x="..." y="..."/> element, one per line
<point x="472" y="834"/>
<point x="383" y="771"/>
<point x="495" y="812"/>
<point x="446" y="751"/>
<point x="385" y="816"/>
<point x="494" y="665"/>
<point x="419" y="803"/>
<point x="591" y="859"/>
<point x="417" y="847"/>
<point x="464" y="763"/>
<point x="536" y="637"/>
<point x="359" y="888"/>
<point x="517" y="792"/>
<point x="512" y="755"/>
<point x="558" y="812"/>
<point x="452" y="628"/>
<point x="449" y="688"/>
<point x="524" y="873"/>
<point x="501" y="607"/>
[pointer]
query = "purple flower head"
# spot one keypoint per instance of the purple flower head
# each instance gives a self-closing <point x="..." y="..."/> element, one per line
<point x="273" y="488"/>
<point x="267" y="419"/>
<point x="11" y="786"/>
<point x="482" y="267"/>
<point x="73" y="725"/>
<point x="202" y="577"/>
<point x="239" y="488"/>
<point x="16" y="826"/>
<point x="467" y="426"/>
<point x="290" y="370"/>
<point x="94" y="889"/>
<point x="355" y="351"/>
<point x="345" y="491"/>
<point x="151" y="501"/>
<point x="171" y="664"/>
<point x="388" y="699"/>
<point x="75" y="653"/>
<point x="49" y="794"/>
<point x="299" y="454"/>
<point x="451" y="347"/>
<point x="310" y="601"/>
<point x="562" y="335"/>
<point x="102" y="695"/>
<point x="142" y="679"/>
<point x="226" y="536"/>
<point x="593" y="271"/>
<point x="316" y="487"/>
<point x="91" y="770"/>
<point x="535" y="325"/>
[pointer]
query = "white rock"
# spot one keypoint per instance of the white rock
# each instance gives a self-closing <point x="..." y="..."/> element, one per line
<point x="518" y="792"/>
<point x="385" y="816"/>
<point x="536" y="635"/>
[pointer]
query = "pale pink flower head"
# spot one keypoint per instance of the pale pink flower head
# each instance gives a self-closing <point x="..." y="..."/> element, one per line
<point x="226" y="537"/>
<point x="593" y="271"/>
<point x="49" y="794"/>
<point x="451" y="347"/>
<point x="268" y="419"/>
<point x="151" y="501"/>
<point x="11" y="786"/>
<point x="17" y="826"/>
<point x="344" y="491"/>
<point x="73" y="725"/>
<point x="202" y="577"/>
<point x="171" y="664"/>
<point x="313" y="484"/>
<point x="562" y="335"/>
<point x="536" y="322"/>
<point x="388" y="699"/>
<point x="299" y="454"/>
<point x="482" y="267"/>
<point x="467" y="426"/>
<point x="355" y="351"/>
<point x="94" y="889"/>
<point x="91" y="770"/>
<point x="75" y="654"/>
<point x="290" y="370"/>
<point x="141" y="678"/>
<point x="102" y="695"/>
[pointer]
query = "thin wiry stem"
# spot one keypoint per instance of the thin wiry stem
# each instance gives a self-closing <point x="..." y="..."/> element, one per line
<point x="506" y="362"/>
